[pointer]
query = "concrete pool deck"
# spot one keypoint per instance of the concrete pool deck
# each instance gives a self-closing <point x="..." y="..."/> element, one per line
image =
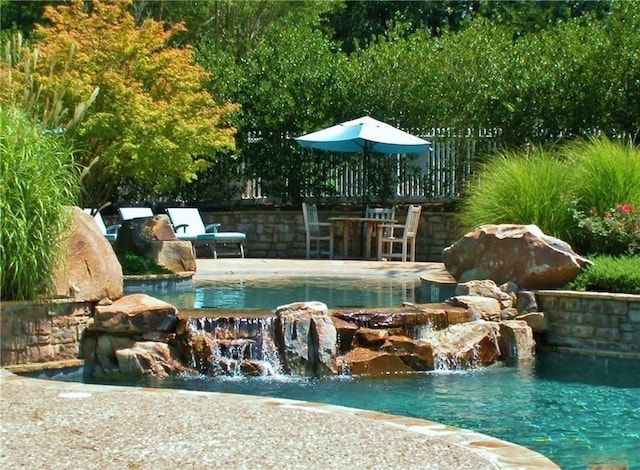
<point x="56" y="424"/>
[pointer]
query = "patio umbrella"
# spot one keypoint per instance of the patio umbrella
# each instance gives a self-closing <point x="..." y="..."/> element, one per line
<point x="364" y="135"/>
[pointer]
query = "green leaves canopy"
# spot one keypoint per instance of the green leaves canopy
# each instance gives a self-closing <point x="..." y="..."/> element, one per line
<point x="153" y="123"/>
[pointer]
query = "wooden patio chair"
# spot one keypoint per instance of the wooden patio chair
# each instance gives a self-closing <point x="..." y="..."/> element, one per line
<point x="317" y="232"/>
<point x="407" y="239"/>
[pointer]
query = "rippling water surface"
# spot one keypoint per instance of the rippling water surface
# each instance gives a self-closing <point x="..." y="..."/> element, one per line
<point x="577" y="411"/>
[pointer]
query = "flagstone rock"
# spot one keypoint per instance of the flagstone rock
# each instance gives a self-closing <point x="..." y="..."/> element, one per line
<point x="519" y="253"/>
<point x="526" y="302"/>
<point x="346" y="332"/>
<point x="371" y="337"/>
<point x="89" y="269"/>
<point x="484" y="288"/>
<point x="465" y="345"/>
<point x="416" y="354"/>
<point x="147" y="358"/>
<point x="537" y="321"/>
<point x="135" y="314"/>
<point x="404" y="317"/>
<point x="516" y="341"/>
<point x="363" y="361"/>
<point x="485" y="308"/>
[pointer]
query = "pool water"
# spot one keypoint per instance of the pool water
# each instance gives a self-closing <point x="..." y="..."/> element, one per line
<point x="578" y="411"/>
<point x="260" y="293"/>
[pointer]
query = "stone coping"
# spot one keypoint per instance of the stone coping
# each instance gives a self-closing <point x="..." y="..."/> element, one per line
<point x="625" y="356"/>
<point x="32" y="435"/>
<point x="154" y="277"/>
<point x="591" y="295"/>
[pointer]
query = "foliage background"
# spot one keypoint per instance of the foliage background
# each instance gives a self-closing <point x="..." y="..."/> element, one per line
<point x="542" y="72"/>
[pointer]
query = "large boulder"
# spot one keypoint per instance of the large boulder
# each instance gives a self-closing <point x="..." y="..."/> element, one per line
<point x="155" y="239"/>
<point x="519" y="253"/>
<point x="472" y="344"/>
<point x="136" y="314"/>
<point x="363" y="361"/>
<point x="89" y="269"/>
<point x="307" y="339"/>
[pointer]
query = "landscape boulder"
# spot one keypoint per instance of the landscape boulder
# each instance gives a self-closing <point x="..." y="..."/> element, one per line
<point x="88" y="269"/>
<point x="155" y="239"/>
<point x="307" y="339"/>
<point x="135" y="314"/>
<point x="519" y="253"/>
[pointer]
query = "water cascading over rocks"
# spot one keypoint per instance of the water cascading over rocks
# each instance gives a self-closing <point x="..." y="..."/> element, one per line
<point x="139" y="335"/>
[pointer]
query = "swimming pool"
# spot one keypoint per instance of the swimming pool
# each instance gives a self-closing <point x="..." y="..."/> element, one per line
<point x="578" y="411"/>
<point x="269" y="293"/>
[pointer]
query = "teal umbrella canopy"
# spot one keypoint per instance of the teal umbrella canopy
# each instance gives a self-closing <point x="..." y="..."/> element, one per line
<point x="364" y="135"/>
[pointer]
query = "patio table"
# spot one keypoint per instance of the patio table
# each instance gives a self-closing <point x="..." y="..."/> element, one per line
<point x="351" y="236"/>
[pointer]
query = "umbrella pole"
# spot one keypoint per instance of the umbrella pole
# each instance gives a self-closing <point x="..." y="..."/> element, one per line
<point x="365" y="182"/>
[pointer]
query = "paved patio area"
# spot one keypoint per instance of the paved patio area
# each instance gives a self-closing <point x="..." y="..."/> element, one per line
<point x="63" y="425"/>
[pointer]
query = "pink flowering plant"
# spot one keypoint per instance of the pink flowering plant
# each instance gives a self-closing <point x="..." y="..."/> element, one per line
<point x="613" y="232"/>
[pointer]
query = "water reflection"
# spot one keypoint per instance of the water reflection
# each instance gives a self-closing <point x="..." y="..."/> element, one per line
<point x="336" y="292"/>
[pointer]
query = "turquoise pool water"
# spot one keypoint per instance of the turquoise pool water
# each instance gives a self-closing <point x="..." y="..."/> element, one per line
<point x="270" y="293"/>
<point x="577" y="411"/>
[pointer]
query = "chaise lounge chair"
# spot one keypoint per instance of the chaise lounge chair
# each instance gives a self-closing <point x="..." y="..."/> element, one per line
<point x="127" y="213"/>
<point x="188" y="225"/>
<point x="110" y="232"/>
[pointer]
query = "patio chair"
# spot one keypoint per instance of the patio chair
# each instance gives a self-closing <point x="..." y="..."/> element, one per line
<point x="110" y="232"/>
<point x="388" y="213"/>
<point x="317" y="232"/>
<point x="188" y="225"/>
<point x="127" y="213"/>
<point x="407" y="240"/>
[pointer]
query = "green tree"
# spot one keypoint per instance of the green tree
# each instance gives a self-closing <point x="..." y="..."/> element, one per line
<point x="293" y="83"/>
<point x="153" y="123"/>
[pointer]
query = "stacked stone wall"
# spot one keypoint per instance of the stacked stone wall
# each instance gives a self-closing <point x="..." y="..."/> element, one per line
<point x="36" y="333"/>
<point x="280" y="234"/>
<point x="598" y="323"/>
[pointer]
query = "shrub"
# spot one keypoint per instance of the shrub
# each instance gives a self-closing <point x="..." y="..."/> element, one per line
<point x="519" y="188"/>
<point x="134" y="264"/>
<point x="586" y="193"/>
<point x="610" y="274"/>
<point x="614" y="232"/>
<point x="38" y="179"/>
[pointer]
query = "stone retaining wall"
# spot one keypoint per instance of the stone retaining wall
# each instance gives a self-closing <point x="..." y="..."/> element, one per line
<point x="280" y="234"/>
<point x="602" y="324"/>
<point x="36" y="333"/>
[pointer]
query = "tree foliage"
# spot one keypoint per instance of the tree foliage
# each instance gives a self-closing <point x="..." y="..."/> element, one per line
<point x="539" y="71"/>
<point x="284" y="94"/>
<point x="153" y="123"/>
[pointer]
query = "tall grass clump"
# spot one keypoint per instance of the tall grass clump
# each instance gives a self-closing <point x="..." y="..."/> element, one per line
<point x="604" y="174"/>
<point x="38" y="179"/>
<point x="519" y="188"/>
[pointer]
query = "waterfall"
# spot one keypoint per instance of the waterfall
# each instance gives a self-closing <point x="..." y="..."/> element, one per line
<point x="234" y="346"/>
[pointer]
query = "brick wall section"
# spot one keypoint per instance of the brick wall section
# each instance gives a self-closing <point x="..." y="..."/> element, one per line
<point x="598" y="322"/>
<point x="33" y="333"/>
<point x="280" y="234"/>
